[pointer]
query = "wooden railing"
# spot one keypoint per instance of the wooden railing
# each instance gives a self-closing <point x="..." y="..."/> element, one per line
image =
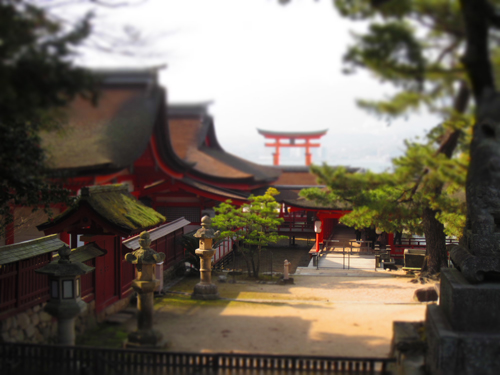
<point x="397" y="250"/>
<point x="223" y="250"/>
<point x="21" y="287"/>
<point x="40" y="359"/>
<point x="289" y="227"/>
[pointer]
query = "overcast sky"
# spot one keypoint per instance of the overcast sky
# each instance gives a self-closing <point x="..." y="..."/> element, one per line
<point x="264" y="66"/>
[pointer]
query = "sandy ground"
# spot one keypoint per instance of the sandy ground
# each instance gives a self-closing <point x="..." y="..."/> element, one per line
<point x="319" y="315"/>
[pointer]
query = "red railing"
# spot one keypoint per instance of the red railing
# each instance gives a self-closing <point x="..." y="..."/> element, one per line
<point x="21" y="287"/>
<point x="294" y="227"/>
<point x="223" y="249"/>
<point x="294" y="216"/>
<point x="8" y="287"/>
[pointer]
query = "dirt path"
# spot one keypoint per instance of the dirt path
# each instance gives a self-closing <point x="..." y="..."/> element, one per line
<point x="319" y="315"/>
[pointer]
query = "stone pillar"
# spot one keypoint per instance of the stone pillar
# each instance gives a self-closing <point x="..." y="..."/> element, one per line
<point x="66" y="331"/>
<point x="145" y="259"/>
<point x="286" y="269"/>
<point x="463" y="331"/>
<point x="205" y="289"/>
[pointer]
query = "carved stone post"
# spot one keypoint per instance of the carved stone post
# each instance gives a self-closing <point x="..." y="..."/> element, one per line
<point x="286" y="269"/>
<point x="145" y="258"/>
<point x="286" y="279"/>
<point x="463" y="332"/>
<point x="205" y="289"/>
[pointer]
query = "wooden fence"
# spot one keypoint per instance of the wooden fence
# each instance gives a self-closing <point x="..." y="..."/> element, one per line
<point x="171" y="246"/>
<point x="41" y="359"/>
<point x="22" y="288"/>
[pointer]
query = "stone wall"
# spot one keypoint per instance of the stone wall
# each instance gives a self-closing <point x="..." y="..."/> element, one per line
<point x="32" y="325"/>
<point x="36" y="326"/>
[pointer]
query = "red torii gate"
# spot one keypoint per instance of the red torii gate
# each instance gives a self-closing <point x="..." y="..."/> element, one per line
<point x="292" y="137"/>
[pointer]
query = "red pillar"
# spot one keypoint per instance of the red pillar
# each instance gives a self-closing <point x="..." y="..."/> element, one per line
<point x="308" y="153"/>
<point x="319" y="236"/>
<point x="390" y="242"/>
<point x="64" y="237"/>
<point x="277" y="153"/>
<point x="9" y="229"/>
<point x="276" y="156"/>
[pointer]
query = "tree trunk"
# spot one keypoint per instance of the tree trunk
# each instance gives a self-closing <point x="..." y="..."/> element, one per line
<point x="434" y="230"/>
<point x="247" y="261"/>
<point x="258" y="263"/>
<point x="436" y="242"/>
<point x="253" y="268"/>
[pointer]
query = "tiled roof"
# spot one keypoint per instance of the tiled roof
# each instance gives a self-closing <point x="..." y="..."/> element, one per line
<point x="293" y="175"/>
<point x="296" y="178"/>
<point x="193" y="140"/>
<point x="29" y="249"/>
<point x="154" y="234"/>
<point x="226" y="193"/>
<point x="114" y="204"/>
<point x="84" y="253"/>
<point x="110" y="135"/>
<point x="292" y="134"/>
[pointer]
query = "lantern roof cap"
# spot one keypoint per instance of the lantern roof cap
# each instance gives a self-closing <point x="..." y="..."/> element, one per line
<point x="206" y="230"/>
<point x="64" y="267"/>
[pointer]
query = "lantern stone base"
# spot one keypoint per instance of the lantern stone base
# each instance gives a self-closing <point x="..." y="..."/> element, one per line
<point x="283" y="281"/>
<point x="145" y="339"/>
<point x="205" y="292"/>
<point x="463" y="332"/>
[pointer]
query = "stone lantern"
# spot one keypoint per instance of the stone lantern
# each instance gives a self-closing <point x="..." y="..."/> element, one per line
<point x="145" y="259"/>
<point x="65" y="302"/>
<point x="205" y="289"/>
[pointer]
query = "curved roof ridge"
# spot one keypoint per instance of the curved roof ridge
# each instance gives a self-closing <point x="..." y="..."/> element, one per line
<point x="292" y="134"/>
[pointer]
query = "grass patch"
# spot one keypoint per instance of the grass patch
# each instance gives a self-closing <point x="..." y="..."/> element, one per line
<point x="104" y="336"/>
<point x="183" y="302"/>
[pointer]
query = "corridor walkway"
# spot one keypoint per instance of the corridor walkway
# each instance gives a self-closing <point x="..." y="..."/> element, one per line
<point x="340" y="257"/>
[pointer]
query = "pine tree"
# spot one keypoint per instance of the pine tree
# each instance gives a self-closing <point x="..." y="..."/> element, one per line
<point x="254" y="225"/>
<point x="38" y="80"/>
<point x="415" y="45"/>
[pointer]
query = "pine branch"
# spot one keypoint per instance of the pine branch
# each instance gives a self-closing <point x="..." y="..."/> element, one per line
<point x="453" y="46"/>
<point x="450" y="139"/>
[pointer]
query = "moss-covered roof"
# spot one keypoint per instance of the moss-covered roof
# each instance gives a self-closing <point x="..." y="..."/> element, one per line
<point x="115" y="205"/>
<point x="29" y="249"/>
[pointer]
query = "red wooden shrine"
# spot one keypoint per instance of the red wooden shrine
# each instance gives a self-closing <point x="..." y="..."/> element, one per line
<point x="291" y="139"/>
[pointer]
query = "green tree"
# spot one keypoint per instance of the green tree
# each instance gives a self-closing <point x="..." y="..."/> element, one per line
<point x="253" y="226"/>
<point x="38" y="80"/>
<point x="416" y="46"/>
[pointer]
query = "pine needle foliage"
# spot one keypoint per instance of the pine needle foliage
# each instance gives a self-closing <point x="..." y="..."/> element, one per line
<point x="38" y="79"/>
<point x="416" y="46"/>
<point x="253" y="226"/>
